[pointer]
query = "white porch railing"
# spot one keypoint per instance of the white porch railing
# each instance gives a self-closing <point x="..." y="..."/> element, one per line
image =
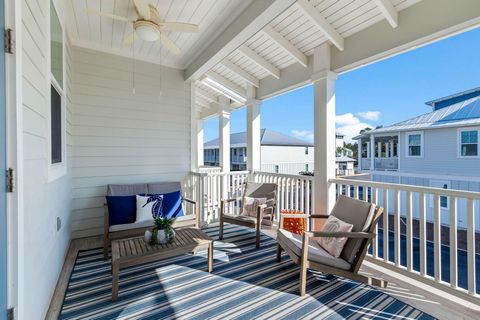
<point x="423" y="234"/>
<point x="414" y="244"/>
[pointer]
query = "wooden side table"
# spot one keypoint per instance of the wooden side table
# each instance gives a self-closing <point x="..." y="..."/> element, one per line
<point x="135" y="251"/>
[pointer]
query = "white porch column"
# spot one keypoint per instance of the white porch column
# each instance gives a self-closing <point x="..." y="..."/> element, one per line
<point x="196" y="136"/>
<point x="253" y="132"/>
<point x="324" y="130"/>
<point x="372" y="152"/>
<point x="359" y="154"/>
<point x="387" y="150"/>
<point x="379" y="146"/>
<point x="224" y="134"/>
<point x="391" y="148"/>
<point x="368" y="150"/>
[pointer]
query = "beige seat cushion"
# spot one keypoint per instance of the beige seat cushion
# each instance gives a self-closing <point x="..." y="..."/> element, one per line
<point x="145" y="224"/>
<point x="315" y="252"/>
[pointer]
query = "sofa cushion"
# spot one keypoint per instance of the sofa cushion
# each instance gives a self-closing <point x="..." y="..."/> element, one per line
<point x="172" y="205"/>
<point x="121" y="209"/>
<point x="126" y="189"/>
<point x="356" y="212"/>
<point x="163" y="187"/>
<point x="315" y="252"/>
<point x="130" y="226"/>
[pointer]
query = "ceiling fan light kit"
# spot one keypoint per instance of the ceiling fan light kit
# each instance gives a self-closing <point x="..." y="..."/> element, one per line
<point x="147" y="30"/>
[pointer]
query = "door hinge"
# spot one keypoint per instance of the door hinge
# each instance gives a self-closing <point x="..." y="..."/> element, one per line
<point x="9" y="41"/>
<point x="11" y="314"/>
<point x="10" y="180"/>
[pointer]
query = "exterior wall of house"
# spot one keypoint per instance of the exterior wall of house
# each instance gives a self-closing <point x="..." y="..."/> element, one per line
<point x="440" y="155"/>
<point x="289" y="159"/>
<point x="121" y="136"/>
<point x="45" y="198"/>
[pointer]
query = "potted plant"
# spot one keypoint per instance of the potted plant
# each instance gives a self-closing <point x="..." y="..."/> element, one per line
<point x="162" y="231"/>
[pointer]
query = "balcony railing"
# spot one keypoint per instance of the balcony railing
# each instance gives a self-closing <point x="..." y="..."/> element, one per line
<point x="384" y="164"/>
<point x="429" y="233"/>
<point x="415" y="237"/>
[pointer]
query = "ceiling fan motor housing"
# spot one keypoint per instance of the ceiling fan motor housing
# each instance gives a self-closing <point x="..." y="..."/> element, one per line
<point x="147" y="30"/>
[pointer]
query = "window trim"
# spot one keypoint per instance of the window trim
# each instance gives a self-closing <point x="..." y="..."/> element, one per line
<point x="56" y="170"/>
<point x="407" y="135"/>
<point x="459" y="142"/>
<point x="434" y="184"/>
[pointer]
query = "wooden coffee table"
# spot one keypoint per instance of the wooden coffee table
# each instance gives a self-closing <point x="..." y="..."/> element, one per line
<point x="135" y="251"/>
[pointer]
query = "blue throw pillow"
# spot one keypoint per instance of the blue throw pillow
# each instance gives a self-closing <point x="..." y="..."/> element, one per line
<point x="121" y="209"/>
<point x="172" y="205"/>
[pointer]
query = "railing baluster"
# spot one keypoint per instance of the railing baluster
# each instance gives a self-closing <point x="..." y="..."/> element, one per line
<point x="374" y="200"/>
<point x="385" y="225"/>
<point x="302" y="195"/>
<point x="396" y="227"/>
<point x="409" y="231"/>
<point x="296" y="195"/>
<point x="307" y="197"/>
<point x="355" y="191"/>
<point x="437" y="242"/>
<point x="453" y="242"/>
<point x="471" y="246"/>
<point x="423" y="233"/>
<point x="291" y="206"/>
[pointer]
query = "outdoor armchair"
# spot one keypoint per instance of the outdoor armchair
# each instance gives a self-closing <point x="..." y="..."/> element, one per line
<point x="264" y="212"/>
<point x="307" y="252"/>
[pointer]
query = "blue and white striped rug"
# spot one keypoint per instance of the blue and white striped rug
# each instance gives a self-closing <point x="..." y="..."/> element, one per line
<point x="246" y="284"/>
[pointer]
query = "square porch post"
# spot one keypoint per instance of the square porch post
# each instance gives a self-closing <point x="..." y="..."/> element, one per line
<point x="224" y="134"/>
<point x="324" y="131"/>
<point x="196" y="138"/>
<point x="372" y="152"/>
<point x="253" y="133"/>
<point x="359" y="154"/>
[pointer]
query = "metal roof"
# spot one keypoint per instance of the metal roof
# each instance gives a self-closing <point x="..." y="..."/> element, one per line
<point x="464" y="113"/>
<point x="344" y="159"/>
<point x="267" y="138"/>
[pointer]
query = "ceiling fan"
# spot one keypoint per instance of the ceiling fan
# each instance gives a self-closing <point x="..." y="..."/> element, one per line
<point x="148" y="25"/>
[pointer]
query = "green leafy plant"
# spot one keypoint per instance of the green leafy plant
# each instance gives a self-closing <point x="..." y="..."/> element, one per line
<point x="162" y="223"/>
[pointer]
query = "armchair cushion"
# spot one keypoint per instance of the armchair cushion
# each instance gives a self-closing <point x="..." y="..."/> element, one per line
<point x="250" y="206"/>
<point x="360" y="215"/>
<point x="333" y="245"/>
<point x="121" y="209"/>
<point x="315" y="252"/>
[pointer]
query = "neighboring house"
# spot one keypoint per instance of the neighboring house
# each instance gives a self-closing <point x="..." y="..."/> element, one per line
<point x="344" y="166"/>
<point x="340" y="143"/>
<point x="438" y="149"/>
<point x="280" y="153"/>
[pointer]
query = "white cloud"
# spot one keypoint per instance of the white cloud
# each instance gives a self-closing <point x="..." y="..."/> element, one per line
<point x="370" y="115"/>
<point x="350" y="125"/>
<point x="303" y="134"/>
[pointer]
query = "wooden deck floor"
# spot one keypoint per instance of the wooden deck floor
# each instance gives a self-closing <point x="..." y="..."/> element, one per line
<point x="425" y="298"/>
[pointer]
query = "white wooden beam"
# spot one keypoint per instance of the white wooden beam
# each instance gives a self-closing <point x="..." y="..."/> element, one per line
<point x="388" y="10"/>
<point x="260" y="61"/>
<point x="226" y="83"/>
<point x="286" y="45"/>
<point x="241" y="73"/>
<point x="316" y="17"/>
<point x="206" y="95"/>
<point x="202" y="102"/>
<point x="252" y="19"/>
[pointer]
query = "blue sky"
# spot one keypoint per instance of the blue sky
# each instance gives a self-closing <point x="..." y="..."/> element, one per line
<point x="379" y="94"/>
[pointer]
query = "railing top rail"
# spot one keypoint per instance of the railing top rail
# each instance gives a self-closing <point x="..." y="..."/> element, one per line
<point x="411" y="188"/>
<point x="282" y="175"/>
<point x="231" y="173"/>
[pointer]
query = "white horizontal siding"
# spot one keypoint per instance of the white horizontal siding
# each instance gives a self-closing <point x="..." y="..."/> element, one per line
<point x="45" y="248"/>
<point x="122" y="137"/>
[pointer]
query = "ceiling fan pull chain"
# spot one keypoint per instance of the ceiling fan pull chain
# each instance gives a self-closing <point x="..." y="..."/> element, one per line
<point x="133" y="63"/>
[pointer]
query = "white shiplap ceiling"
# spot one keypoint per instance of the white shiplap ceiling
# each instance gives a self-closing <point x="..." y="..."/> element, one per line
<point x="103" y="33"/>
<point x="343" y="17"/>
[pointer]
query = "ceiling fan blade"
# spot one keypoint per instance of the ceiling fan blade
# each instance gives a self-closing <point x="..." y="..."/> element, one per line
<point x="128" y="40"/>
<point x="143" y="8"/>
<point x="104" y="14"/>
<point x="169" y="44"/>
<point x="179" y="26"/>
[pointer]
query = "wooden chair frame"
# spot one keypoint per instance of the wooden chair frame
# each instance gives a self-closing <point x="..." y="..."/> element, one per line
<point x="305" y="263"/>
<point x="115" y="235"/>
<point x="257" y="224"/>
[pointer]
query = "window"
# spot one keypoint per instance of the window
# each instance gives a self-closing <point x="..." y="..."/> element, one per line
<point x="469" y="143"/>
<point x="444" y="199"/>
<point x="56" y="126"/>
<point x="306" y="150"/>
<point x="414" y="145"/>
<point x="306" y="167"/>
<point x="56" y="115"/>
<point x="276" y="168"/>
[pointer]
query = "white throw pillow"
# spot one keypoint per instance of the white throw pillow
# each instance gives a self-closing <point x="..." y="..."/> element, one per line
<point x="250" y="206"/>
<point x="149" y="207"/>
<point x="332" y="245"/>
